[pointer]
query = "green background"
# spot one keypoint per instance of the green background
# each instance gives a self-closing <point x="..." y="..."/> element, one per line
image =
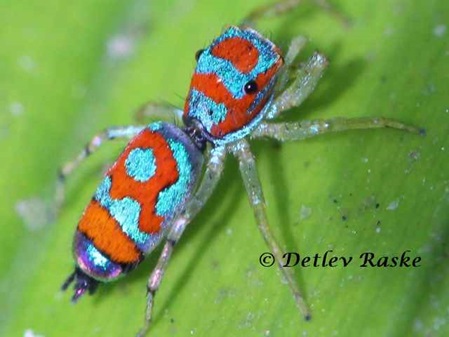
<point x="67" y="70"/>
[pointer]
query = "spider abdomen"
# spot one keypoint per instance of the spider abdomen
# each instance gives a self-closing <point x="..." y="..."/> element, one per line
<point x="136" y="201"/>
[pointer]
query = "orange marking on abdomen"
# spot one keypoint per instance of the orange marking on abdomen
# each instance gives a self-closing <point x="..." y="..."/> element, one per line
<point x="106" y="234"/>
<point x="145" y="193"/>
<point x="240" y="52"/>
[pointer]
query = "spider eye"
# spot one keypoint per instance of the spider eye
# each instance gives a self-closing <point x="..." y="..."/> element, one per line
<point x="198" y="54"/>
<point x="250" y="87"/>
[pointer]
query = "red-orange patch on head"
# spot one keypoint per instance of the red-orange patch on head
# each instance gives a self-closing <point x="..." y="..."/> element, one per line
<point x="240" y="52"/>
<point x="237" y="109"/>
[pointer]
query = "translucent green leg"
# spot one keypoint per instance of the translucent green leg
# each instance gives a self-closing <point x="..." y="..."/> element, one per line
<point x="294" y="49"/>
<point x="212" y="175"/>
<point x="253" y="187"/>
<point x="118" y="132"/>
<point x="155" y="112"/>
<point x="305" y="80"/>
<point x="308" y="129"/>
<point x="281" y="7"/>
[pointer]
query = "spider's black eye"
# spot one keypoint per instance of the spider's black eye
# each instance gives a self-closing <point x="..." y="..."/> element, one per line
<point x="250" y="87"/>
<point x="198" y="54"/>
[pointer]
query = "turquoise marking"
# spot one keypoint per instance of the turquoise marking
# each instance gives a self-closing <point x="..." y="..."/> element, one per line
<point x="126" y="212"/>
<point x="170" y="198"/>
<point x="102" y="192"/>
<point x="155" y="126"/>
<point x="200" y="105"/>
<point x="140" y="164"/>
<point x="92" y="261"/>
<point x="232" y="78"/>
<point x="95" y="257"/>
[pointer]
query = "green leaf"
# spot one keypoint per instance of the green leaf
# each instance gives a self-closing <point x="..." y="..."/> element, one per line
<point x="67" y="71"/>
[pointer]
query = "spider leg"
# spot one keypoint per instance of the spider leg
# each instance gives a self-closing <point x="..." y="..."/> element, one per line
<point x="159" y="111"/>
<point x="304" y="83"/>
<point x="294" y="49"/>
<point x="307" y="129"/>
<point x="284" y="6"/>
<point x="253" y="187"/>
<point x="70" y="166"/>
<point x="211" y="176"/>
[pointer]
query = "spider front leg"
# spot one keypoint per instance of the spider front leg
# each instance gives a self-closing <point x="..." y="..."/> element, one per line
<point x="157" y="111"/>
<point x="308" y="129"/>
<point x="253" y="187"/>
<point x="209" y="181"/>
<point x="305" y="80"/>
<point x="118" y="132"/>
<point x="281" y="7"/>
<point x="294" y="49"/>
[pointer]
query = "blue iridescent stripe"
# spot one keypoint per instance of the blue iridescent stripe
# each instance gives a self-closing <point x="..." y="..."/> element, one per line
<point x="91" y="259"/>
<point x="126" y="212"/>
<point x="173" y="196"/>
<point x="201" y="105"/>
